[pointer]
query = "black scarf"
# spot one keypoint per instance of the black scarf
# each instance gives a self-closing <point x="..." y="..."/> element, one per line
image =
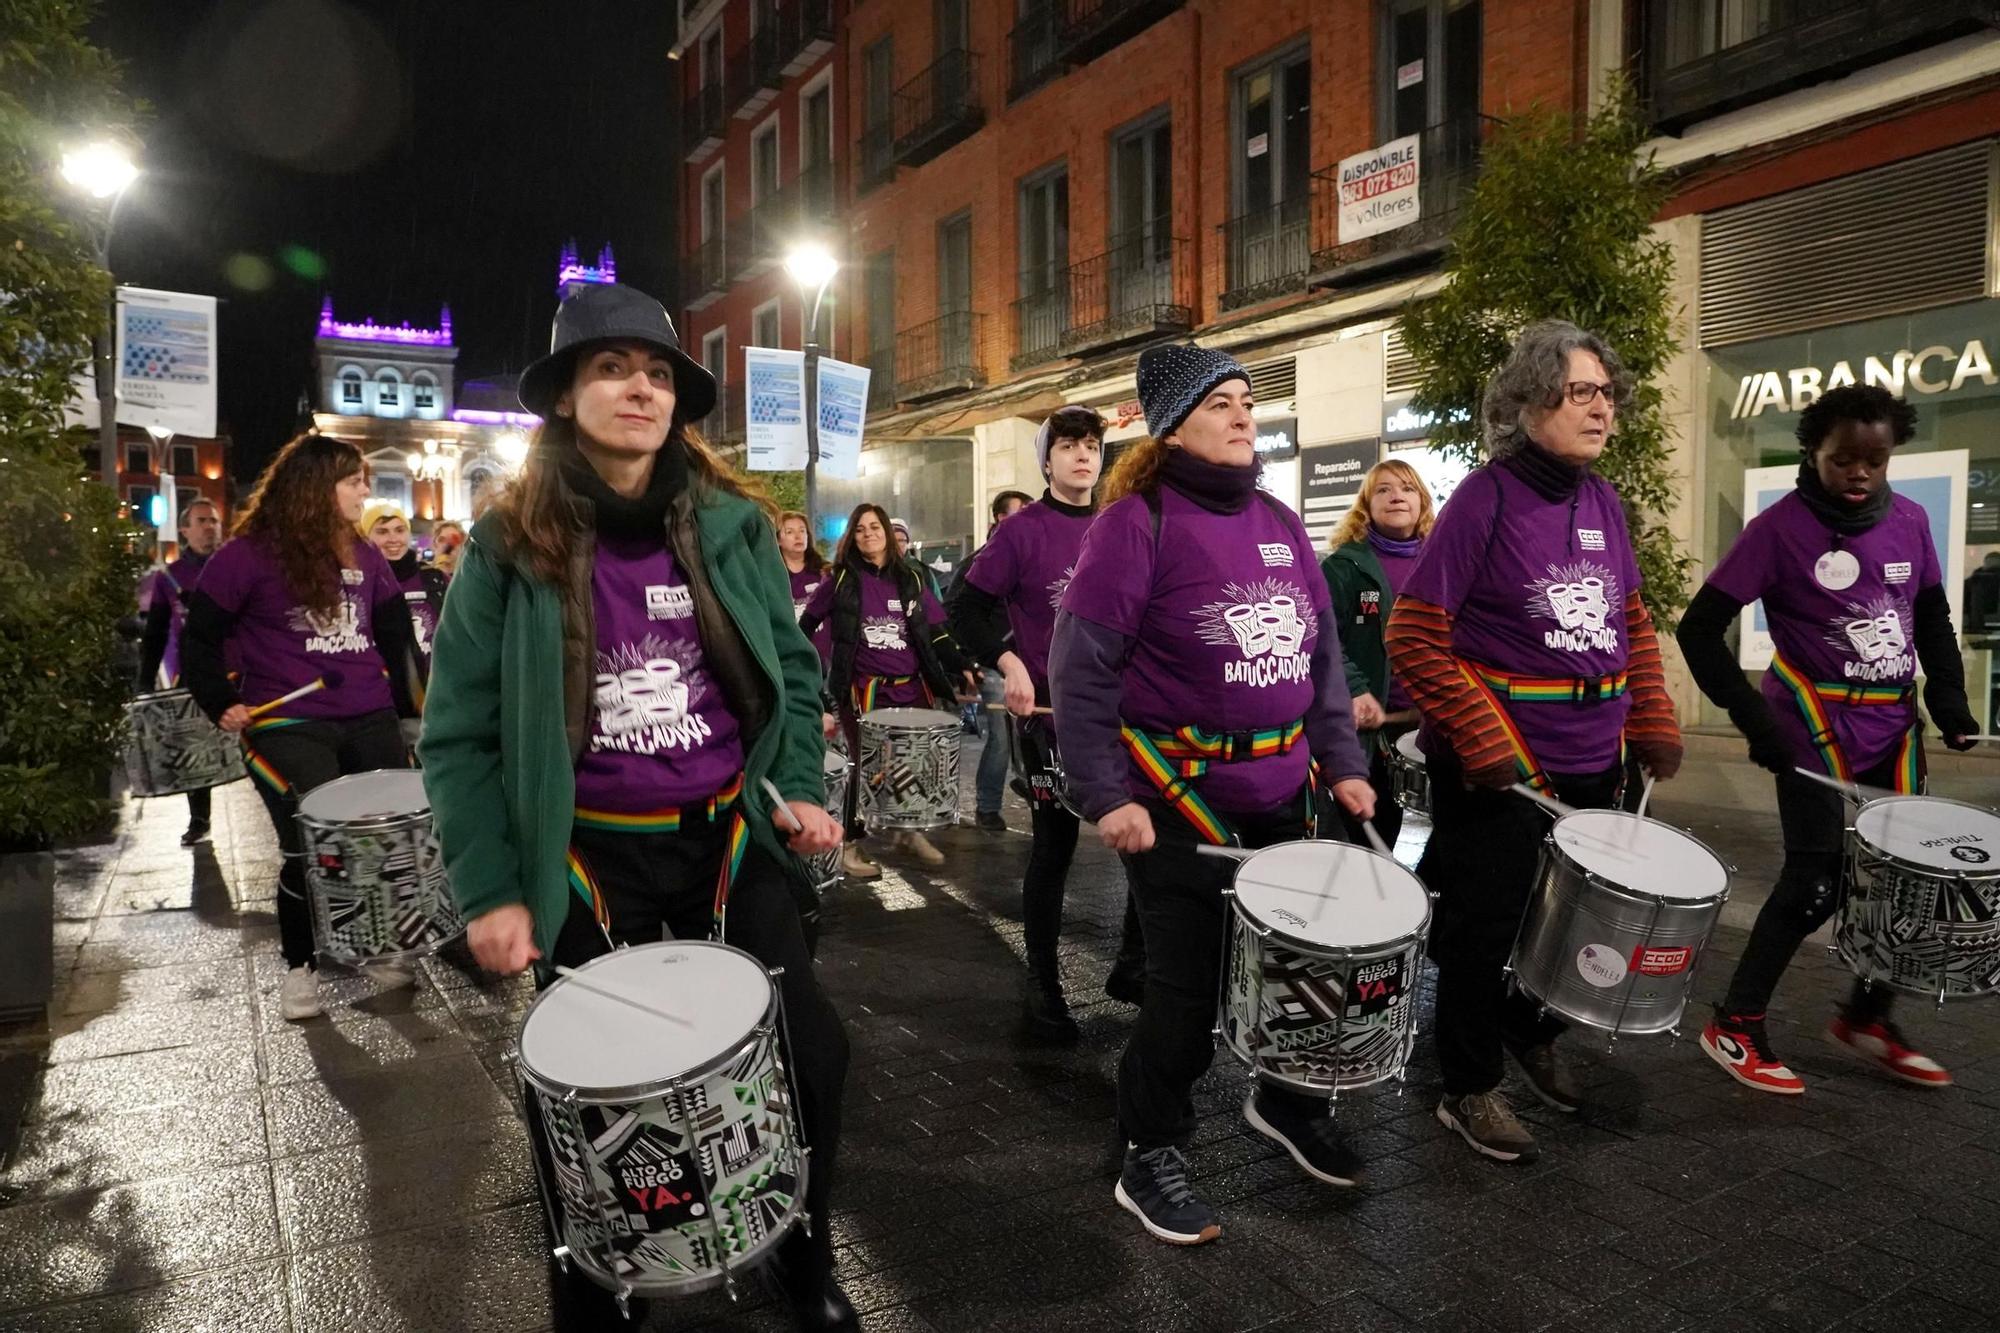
<point x="404" y="565"/>
<point x="1218" y="489"/>
<point x="1849" y="520"/>
<point x="1074" y="511"/>
<point x="642" y="516"/>
<point x="1545" y="474"/>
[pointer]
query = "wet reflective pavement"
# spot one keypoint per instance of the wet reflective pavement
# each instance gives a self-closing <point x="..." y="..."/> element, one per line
<point x="179" y="1157"/>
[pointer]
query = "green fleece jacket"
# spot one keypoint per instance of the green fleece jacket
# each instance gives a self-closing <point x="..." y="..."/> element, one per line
<point x="1352" y="571"/>
<point x="511" y="670"/>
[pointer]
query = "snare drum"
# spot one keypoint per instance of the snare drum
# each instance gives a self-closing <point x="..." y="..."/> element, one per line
<point x="825" y="866"/>
<point x="675" y="1157"/>
<point x="171" y="746"/>
<point x="1922" y="908"/>
<point x="1409" y="777"/>
<point x="1319" y="989"/>
<point x="1042" y="763"/>
<point x="374" y="871"/>
<point x="909" y="768"/>
<point x="1621" y="909"/>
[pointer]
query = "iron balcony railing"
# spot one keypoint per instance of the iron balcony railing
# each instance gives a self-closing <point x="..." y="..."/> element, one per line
<point x="882" y="389"/>
<point x="878" y="155"/>
<point x="1448" y="157"/>
<point x="805" y="33"/>
<point x="756" y="72"/>
<point x="1142" y="285"/>
<point x="1041" y="316"/>
<point x="781" y="218"/>
<point x="939" y="356"/>
<point x="705" y="273"/>
<point x="1267" y="253"/>
<point x="1700" y="60"/>
<point x="938" y="108"/>
<point x="724" y="422"/>
<point x="701" y="121"/>
<point x="1034" y="49"/>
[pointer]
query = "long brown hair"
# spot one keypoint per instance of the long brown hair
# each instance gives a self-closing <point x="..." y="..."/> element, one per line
<point x="847" y="553"/>
<point x="814" y="560"/>
<point x="1354" y="524"/>
<point x="294" y="510"/>
<point x="1137" y="469"/>
<point x="537" y="520"/>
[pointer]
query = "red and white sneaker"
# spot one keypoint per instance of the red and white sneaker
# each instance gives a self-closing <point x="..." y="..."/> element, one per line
<point x="1739" y="1045"/>
<point x="1881" y="1043"/>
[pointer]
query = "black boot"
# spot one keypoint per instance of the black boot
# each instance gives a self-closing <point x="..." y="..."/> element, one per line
<point x="1044" y="1011"/>
<point x="802" y="1273"/>
<point x="1127" y="980"/>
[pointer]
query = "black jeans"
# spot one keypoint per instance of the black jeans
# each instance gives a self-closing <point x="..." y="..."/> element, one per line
<point x="1046" y="880"/>
<point x="662" y="886"/>
<point x="1186" y="922"/>
<point x="1813" y="821"/>
<point x="1388" y="815"/>
<point x="199" y="804"/>
<point x="303" y="756"/>
<point x="1484" y="849"/>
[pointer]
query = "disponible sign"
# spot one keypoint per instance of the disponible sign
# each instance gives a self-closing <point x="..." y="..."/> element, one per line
<point x="1378" y="190"/>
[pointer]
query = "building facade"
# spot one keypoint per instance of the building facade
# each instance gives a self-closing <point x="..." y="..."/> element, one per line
<point x="160" y="477"/>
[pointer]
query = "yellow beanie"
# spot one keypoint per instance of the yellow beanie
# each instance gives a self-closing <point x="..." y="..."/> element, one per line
<point x="376" y="511"/>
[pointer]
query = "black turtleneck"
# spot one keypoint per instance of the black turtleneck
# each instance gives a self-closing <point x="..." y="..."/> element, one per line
<point x="636" y="517"/>
<point x="1545" y="474"/>
<point x="1842" y="518"/>
<point x="1214" y="486"/>
<point x="1073" y="511"/>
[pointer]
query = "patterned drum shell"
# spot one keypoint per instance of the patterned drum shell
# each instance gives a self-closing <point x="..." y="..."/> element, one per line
<point x="675" y="1152"/>
<point x="1620" y="912"/>
<point x="1409" y="776"/>
<point x="824" y="867"/>
<point x="1922" y="909"/>
<point x="909" y="768"/>
<point x="171" y="746"/>
<point x="374" y="870"/>
<point x="1319" y="985"/>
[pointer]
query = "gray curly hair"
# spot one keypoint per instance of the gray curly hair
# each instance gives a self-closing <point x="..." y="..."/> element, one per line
<point x="1531" y="382"/>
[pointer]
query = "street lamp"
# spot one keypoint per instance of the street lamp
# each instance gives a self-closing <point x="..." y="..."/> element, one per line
<point x="812" y="267"/>
<point x="512" y="448"/>
<point x="103" y="171"/>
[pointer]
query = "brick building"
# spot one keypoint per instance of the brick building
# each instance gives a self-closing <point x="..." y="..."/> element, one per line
<point x="199" y="468"/>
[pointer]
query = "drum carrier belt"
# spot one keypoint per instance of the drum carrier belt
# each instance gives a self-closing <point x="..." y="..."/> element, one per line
<point x="1172" y="760"/>
<point x="726" y="805"/>
<point x="862" y="692"/>
<point x="1812" y="698"/>
<point x="1495" y="685"/>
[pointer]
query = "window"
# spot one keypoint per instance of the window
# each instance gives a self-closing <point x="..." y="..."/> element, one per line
<point x="951" y="28"/>
<point x="141" y="500"/>
<point x="388" y="389"/>
<point x="186" y="463"/>
<point x="878" y="136"/>
<point x="1430" y="70"/>
<point x="954" y="264"/>
<point x="711" y="57"/>
<point x="1274" y="146"/>
<point x="715" y="354"/>
<point x="881" y="297"/>
<point x="711" y="205"/>
<point x="138" y="456"/>
<point x="423" y="393"/>
<point x="391" y="486"/>
<point x="350" y="388"/>
<point x="764" y="162"/>
<point x="816" y="125"/>
<point x="1044" y="229"/>
<point x="1142" y="188"/>
<point x="767" y="325"/>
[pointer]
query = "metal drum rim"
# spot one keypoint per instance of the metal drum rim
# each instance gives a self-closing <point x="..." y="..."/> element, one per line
<point x="1855" y="836"/>
<point x="1317" y="950"/>
<point x="1640" y="895"/>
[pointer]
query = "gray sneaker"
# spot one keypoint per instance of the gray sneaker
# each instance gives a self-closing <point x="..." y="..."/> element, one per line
<point x="1484" y="1120"/>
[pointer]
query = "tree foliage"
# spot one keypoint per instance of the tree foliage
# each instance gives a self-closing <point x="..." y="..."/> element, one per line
<point x="1559" y="225"/>
<point x="68" y="557"/>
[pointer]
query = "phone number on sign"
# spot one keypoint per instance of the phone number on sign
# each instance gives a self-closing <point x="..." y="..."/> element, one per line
<point x="1381" y="182"/>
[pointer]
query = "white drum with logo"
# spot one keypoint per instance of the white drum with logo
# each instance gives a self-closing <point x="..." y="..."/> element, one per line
<point x="1409" y="776"/>
<point x="1319" y="987"/>
<point x="1621" y="911"/>
<point x="1922" y="908"/>
<point x="909" y="768"/>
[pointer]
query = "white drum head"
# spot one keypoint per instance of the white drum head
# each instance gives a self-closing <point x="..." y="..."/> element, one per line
<point x="386" y="793"/>
<point x="834" y="763"/>
<point x="1331" y="894"/>
<point x="1933" y="833"/>
<point x="1406" y="745"/>
<point x="908" y="719"/>
<point x="575" y="1038"/>
<point x="1644" y="856"/>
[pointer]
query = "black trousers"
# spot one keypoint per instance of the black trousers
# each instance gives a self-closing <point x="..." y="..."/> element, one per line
<point x="1813" y="821"/>
<point x="1481" y="860"/>
<point x="1186" y="922"/>
<point x="662" y="886"/>
<point x="1388" y="815"/>
<point x="303" y="756"/>
<point x="1046" y="880"/>
<point x="199" y="804"/>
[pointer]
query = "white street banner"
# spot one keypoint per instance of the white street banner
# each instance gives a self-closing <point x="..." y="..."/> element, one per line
<point x="843" y="413"/>
<point x="1378" y="190"/>
<point x="776" y="391"/>
<point x="166" y="361"/>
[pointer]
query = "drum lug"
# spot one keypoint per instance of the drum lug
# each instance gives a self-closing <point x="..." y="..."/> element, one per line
<point x="623" y="1298"/>
<point x="561" y="1255"/>
<point x="512" y="1057"/>
<point x="775" y="972"/>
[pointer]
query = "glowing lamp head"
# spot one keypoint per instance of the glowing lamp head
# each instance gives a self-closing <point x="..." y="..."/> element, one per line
<point x="811" y="265"/>
<point x="100" y="170"/>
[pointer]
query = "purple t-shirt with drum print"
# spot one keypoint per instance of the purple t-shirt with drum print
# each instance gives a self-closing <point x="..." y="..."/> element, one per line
<point x="1224" y="613"/>
<point x="282" y="645"/>
<point x="1028" y="564"/>
<point x="661" y="733"/>
<point x="1840" y="609"/>
<point x="885" y="649"/>
<point x="1536" y="587"/>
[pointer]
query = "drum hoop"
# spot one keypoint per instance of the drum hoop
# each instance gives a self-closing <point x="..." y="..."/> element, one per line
<point x="766" y="1029"/>
<point x="1859" y="846"/>
<point x="366" y="824"/>
<point x="1340" y="953"/>
<point x="1640" y="896"/>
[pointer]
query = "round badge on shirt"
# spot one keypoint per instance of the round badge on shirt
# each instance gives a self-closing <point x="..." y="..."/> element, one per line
<point x="1836" y="571"/>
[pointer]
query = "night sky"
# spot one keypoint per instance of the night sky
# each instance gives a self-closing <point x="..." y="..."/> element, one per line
<point x="396" y="154"/>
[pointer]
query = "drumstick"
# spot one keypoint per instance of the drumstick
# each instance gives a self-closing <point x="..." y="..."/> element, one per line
<point x="1375" y="839"/>
<point x="331" y="680"/>
<point x="1983" y="736"/>
<point x="778" y="803"/>
<point x="1853" y="791"/>
<point x="569" y="974"/>
<point x="1002" y="708"/>
<point x="1646" y="795"/>
<point x="1546" y="802"/>
<point x="1232" y="853"/>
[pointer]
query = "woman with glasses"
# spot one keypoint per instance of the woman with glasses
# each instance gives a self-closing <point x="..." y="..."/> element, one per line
<point x="1521" y="637"/>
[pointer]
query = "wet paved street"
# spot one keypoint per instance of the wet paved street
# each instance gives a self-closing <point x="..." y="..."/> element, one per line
<point x="185" y="1159"/>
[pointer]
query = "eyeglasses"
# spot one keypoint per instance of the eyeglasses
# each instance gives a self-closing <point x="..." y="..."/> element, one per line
<point x="1580" y="392"/>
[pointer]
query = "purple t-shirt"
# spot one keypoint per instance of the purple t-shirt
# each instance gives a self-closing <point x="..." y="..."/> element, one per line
<point x="283" y="645"/>
<point x="1396" y="569"/>
<point x="1840" y="608"/>
<point x="1224" y="613"/>
<point x="885" y="649"/>
<point x="174" y="583"/>
<point x="1027" y="564"/>
<point x="423" y="616"/>
<point x="661" y="733"/>
<point x="804" y="584"/>
<point x="1539" y="592"/>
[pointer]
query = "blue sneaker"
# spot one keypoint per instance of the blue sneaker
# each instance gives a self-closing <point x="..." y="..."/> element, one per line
<point x="1153" y="1187"/>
